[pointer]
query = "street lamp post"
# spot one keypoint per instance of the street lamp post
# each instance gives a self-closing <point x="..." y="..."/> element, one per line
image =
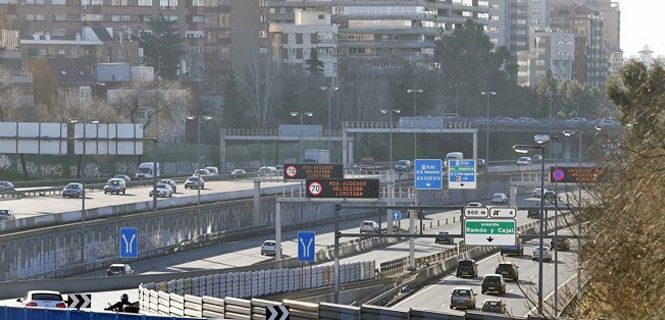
<point x="457" y="98"/>
<point x="568" y="133"/>
<point x="487" y="123"/>
<point x="301" y="115"/>
<point x="198" y="156"/>
<point x="415" y="113"/>
<point x="82" y="169"/>
<point x="330" y="93"/>
<point x="525" y="149"/>
<point x="390" y="133"/>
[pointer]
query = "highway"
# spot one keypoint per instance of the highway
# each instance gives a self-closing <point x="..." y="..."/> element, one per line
<point x="35" y="206"/>
<point x="436" y="296"/>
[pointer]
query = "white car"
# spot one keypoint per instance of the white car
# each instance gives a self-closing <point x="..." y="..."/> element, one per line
<point x="6" y="186"/>
<point x="269" y="248"/>
<point x="267" y="172"/>
<point x="43" y="299"/>
<point x="549" y="194"/>
<point x="524" y="161"/>
<point x="212" y="171"/>
<point x="547" y="254"/>
<point x="163" y="191"/>
<point x="498" y="198"/>
<point x="369" y="226"/>
<point x="474" y="205"/>
<point x="237" y="173"/>
<point x="201" y="172"/>
<point x="6" y="214"/>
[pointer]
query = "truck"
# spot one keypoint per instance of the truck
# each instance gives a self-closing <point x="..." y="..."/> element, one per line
<point x="146" y="171"/>
<point x="317" y="156"/>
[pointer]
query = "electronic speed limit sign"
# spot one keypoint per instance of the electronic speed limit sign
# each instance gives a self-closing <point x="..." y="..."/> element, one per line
<point x="314" y="188"/>
<point x="291" y="172"/>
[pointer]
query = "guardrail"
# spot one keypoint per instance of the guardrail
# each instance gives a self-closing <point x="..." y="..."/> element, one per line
<point x="14" y="313"/>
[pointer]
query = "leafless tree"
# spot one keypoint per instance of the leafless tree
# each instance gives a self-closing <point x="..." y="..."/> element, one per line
<point x="259" y="86"/>
<point x="158" y="105"/>
<point x="9" y="95"/>
<point x="75" y="108"/>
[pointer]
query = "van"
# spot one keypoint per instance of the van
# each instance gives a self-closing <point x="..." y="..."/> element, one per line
<point x="212" y="171"/>
<point x="146" y="170"/>
<point x="452" y="156"/>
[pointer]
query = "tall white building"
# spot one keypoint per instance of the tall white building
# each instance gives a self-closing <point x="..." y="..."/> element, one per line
<point x="552" y="52"/>
<point x="292" y="43"/>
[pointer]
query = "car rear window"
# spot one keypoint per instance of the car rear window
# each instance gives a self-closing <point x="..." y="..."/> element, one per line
<point x="465" y="264"/>
<point x="116" y="268"/>
<point x="462" y="293"/>
<point x="269" y="243"/>
<point x="493" y="279"/>
<point x="504" y="267"/>
<point x="46" y="297"/>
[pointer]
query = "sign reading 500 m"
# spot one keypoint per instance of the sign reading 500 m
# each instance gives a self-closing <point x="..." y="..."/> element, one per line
<point x="343" y="188"/>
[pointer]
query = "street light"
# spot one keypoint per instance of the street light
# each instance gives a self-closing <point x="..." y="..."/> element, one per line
<point x="568" y="134"/>
<point x="198" y="156"/>
<point x="415" y="113"/>
<point x="301" y="115"/>
<point x="330" y="92"/>
<point x="487" y="131"/>
<point x="457" y="98"/>
<point x="82" y="169"/>
<point x="524" y="149"/>
<point x="390" y="133"/>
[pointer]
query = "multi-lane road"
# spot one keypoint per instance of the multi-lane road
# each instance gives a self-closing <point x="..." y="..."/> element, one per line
<point x="35" y="206"/>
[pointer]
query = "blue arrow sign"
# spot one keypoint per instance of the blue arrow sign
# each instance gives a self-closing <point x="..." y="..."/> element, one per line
<point x="428" y="174"/>
<point x="129" y="243"/>
<point x="306" y="252"/>
<point x="397" y="216"/>
<point x="461" y="174"/>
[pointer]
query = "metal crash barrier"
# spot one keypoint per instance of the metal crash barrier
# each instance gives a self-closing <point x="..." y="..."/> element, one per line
<point x="19" y="313"/>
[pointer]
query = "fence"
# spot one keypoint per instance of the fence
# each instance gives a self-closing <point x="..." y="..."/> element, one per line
<point x="179" y="297"/>
<point x="18" y="313"/>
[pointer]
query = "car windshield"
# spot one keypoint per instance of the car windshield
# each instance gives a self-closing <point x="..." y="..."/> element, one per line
<point x="121" y="176"/>
<point x="367" y="223"/>
<point x="145" y="170"/>
<point x="402" y="162"/>
<point x="72" y="186"/>
<point x="161" y="186"/>
<point x="5" y="213"/>
<point x="46" y="297"/>
<point x="366" y="161"/>
<point x="524" y="159"/>
<point x="116" y="268"/>
<point x="269" y="243"/>
<point x="497" y="195"/>
<point x="193" y="179"/>
<point x="462" y="292"/>
<point x="114" y="182"/>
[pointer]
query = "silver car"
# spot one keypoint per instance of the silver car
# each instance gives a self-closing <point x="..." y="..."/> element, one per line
<point x="195" y="182"/>
<point x="6" y="186"/>
<point x="6" y="214"/>
<point x="546" y="252"/>
<point x="269" y="248"/>
<point x="163" y="191"/>
<point x="463" y="298"/>
<point x="499" y="198"/>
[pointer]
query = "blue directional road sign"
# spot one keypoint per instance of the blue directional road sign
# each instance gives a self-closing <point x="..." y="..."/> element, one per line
<point x="461" y="174"/>
<point x="306" y="252"/>
<point x="129" y="243"/>
<point x="397" y="216"/>
<point x="428" y="174"/>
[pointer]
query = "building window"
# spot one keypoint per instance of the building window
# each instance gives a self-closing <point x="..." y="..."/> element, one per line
<point x="198" y="19"/>
<point x="321" y="17"/>
<point x="34" y="2"/>
<point x="168" y="3"/>
<point x="285" y="38"/>
<point x="313" y="38"/>
<point x="84" y="93"/>
<point x="59" y="17"/>
<point x="59" y="2"/>
<point x="298" y="38"/>
<point x="145" y="3"/>
<point x="119" y="2"/>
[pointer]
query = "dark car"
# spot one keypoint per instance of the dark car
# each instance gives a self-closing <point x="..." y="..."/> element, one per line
<point x="516" y="250"/>
<point x="494" y="306"/>
<point x="444" y="238"/>
<point x="534" y="213"/>
<point x="171" y="183"/>
<point x="402" y="165"/>
<point x="73" y="190"/>
<point x="508" y="270"/>
<point x="563" y="244"/>
<point x="366" y="163"/>
<point x="493" y="283"/>
<point x="119" y="270"/>
<point x="115" y="185"/>
<point x="467" y="268"/>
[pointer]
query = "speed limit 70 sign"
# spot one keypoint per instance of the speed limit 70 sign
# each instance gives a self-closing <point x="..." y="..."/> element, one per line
<point x="314" y="188"/>
<point x="291" y="171"/>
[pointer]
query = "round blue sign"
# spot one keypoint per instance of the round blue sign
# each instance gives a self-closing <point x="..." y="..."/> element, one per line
<point x="558" y="175"/>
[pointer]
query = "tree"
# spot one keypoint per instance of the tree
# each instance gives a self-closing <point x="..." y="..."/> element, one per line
<point x="69" y="108"/>
<point x="9" y="110"/>
<point x="624" y="243"/>
<point x="259" y="87"/>
<point x="162" y="47"/>
<point x="161" y="106"/>
<point x="314" y="65"/>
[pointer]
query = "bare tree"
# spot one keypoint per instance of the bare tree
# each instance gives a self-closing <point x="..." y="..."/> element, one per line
<point x="159" y="105"/>
<point x="76" y="108"/>
<point x="363" y="96"/>
<point x="259" y="86"/>
<point x="9" y="95"/>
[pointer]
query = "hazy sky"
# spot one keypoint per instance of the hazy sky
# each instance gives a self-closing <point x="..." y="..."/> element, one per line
<point x="642" y="22"/>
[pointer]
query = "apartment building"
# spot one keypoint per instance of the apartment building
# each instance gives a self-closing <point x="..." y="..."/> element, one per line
<point x="205" y="25"/>
<point x="552" y="52"/>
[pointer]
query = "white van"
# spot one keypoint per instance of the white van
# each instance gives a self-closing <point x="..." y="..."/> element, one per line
<point x="146" y="171"/>
<point x="452" y="156"/>
<point x="213" y="171"/>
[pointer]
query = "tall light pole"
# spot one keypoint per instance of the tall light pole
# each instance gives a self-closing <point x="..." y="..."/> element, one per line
<point x="567" y="133"/>
<point x="330" y="93"/>
<point x="198" y="119"/>
<point x="457" y="98"/>
<point x="301" y="115"/>
<point x="390" y="133"/>
<point x="525" y="149"/>
<point x="415" y="114"/>
<point x="82" y="169"/>
<point x="487" y="123"/>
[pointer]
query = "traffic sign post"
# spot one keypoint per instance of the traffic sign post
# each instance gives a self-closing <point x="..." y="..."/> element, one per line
<point x="499" y="212"/>
<point x="306" y="246"/>
<point x="397" y="215"/>
<point x="79" y="301"/>
<point x="129" y="242"/>
<point x="461" y="174"/>
<point x="277" y="313"/>
<point x="428" y="174"/>
<point x="490" y="232"/>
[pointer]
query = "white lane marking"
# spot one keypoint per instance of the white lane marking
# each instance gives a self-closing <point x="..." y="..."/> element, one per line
<point x="535" y="309"/>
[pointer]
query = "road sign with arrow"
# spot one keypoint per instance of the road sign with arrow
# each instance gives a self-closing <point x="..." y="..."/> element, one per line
<point x="277" y="313"/>
<point x="79" y="301"/>
<point x="490" y="232"/>
<point x="428" y="174"/>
